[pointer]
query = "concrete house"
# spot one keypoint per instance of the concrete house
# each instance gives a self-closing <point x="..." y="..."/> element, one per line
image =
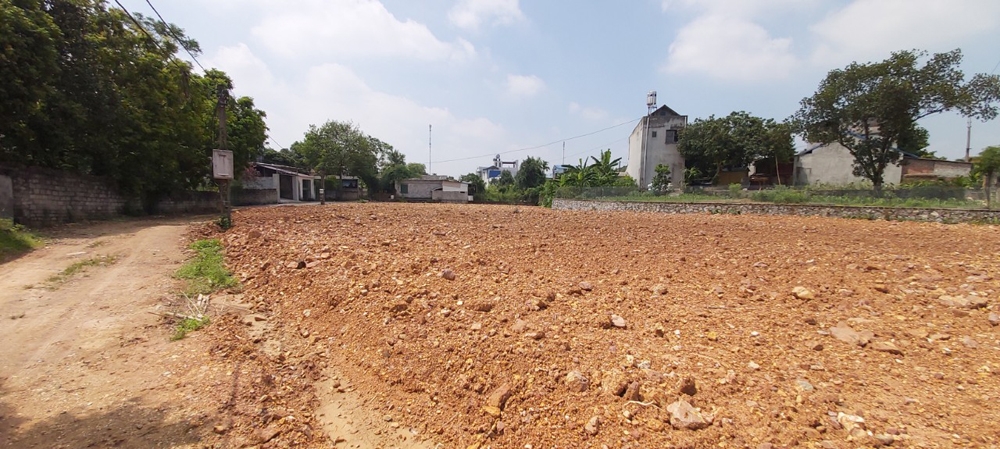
<point x="434" y="188"/>
<point x="833" y="164"/>
<point x="654" y="142"/>
<point x="492" y="173"/>
<point x="289" y="183"/>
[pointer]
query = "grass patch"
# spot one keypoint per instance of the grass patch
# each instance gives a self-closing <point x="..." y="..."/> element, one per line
<point x="78" y="267"/>
<point x="16" y="239"/>
<point x="206" y="272"/>
<point x="188" y="325"/>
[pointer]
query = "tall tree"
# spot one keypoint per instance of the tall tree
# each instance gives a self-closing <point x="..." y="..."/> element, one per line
<point x="531" y="173"/>
<point x="339" y="149"/>
<point x="736" y="140"/>
<point x="871" y="108"/>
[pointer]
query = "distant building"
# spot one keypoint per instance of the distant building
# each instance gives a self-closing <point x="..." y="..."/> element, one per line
<point x="833" y="164"/>
<point x="290" y="183"/>
<point x="654" y="142"/>
<point x="499" y="165"/>
<point x="559" y="169"/>
<point x="434" y="188"/>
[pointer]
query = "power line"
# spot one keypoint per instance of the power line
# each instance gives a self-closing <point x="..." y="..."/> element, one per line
<point x="136" y="22"/>
<point x="596" y="148"/>
<point x="280" y="147"/>
<point x="541" y="146"/>
<point x="167" y="26"/>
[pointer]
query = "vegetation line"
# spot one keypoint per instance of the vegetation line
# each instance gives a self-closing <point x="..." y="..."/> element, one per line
<point x="16" y="239"/>
<point x="205" y="273"/>
<point x="78" y="267"/>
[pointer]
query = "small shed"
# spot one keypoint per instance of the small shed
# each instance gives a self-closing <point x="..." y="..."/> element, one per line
<point x="434" y="188"/>
<point x="291" y="183"/>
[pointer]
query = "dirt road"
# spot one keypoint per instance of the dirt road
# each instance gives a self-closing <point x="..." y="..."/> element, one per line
<point x="83" y="363"/>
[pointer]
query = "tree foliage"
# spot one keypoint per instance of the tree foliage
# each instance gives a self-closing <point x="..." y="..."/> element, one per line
<point x="85" y="90"/>
<point x="339" y="149"/>
<point x="871" y="109"/>
<point x="987" y="164"/>
<point x="531" y="173"/>
<point x="595" y="172"/>
<point x="662" y="179"/>
<point x="736" y="140"/>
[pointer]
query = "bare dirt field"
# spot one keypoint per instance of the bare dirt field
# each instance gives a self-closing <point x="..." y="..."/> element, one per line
<point x="474" y="327"/>
<point x="427" y="326"/>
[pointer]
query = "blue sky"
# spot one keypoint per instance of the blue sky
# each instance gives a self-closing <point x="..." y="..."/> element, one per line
<point x="496" y="76"/>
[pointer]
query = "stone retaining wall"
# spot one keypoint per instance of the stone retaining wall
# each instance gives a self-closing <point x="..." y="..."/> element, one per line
<point x="870" y="213"/>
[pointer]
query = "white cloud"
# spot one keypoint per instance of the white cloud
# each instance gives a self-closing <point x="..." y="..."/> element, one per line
<point x="591" y="113"/>
<point x="524" y="85"/>
<point x="335" y="92"/>
<point x="735" y="8"/>
<point x="730" y="49"/>
<point x="351" y="28"/>
<point x="471" y="14"/>
<point x="871" y="29"/>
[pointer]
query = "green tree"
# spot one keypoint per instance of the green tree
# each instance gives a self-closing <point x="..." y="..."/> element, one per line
<point x="338" y="149"/>
<point x="282" y="157"/>
<point x="84" y="89"/>
<point x="988" y="165"/>
<point x="531" y="173"/>
<point x="870" y="108"/>
<point x="579" y="175"/>
<point x="605" y="170"/>
<point x="505" y="181"/>
<point x="662" y="179"/>
<point x="29" y="63"/>
<point x="736" y="140"/>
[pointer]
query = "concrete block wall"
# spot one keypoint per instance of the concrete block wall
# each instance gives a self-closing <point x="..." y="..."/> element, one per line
<point x="40" y="197"/>
<point x="6" y="197"/>
<point x="44" y="197"/>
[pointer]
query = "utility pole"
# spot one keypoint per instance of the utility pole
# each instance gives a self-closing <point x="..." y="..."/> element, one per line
<point x="968" y="140"/>
<point x="430" y="154"/>
<point x="222" y="94"/>
<point x="564" y="154"/>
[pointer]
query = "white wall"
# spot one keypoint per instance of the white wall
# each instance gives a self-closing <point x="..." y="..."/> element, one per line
<point x="833" y="164"/>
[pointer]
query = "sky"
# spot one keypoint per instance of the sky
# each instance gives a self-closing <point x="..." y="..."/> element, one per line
<point x="521" y="78"/>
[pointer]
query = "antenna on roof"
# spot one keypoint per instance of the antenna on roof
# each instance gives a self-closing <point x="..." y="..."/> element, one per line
<point x="650" y="102"/>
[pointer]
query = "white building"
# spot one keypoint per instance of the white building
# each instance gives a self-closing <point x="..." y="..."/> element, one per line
<point x="434" y="188"/>
<point x="654" y="142"/>
<point x="491" y="173"/>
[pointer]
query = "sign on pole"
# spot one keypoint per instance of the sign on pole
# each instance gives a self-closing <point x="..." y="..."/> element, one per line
<point x="222" y="164"/>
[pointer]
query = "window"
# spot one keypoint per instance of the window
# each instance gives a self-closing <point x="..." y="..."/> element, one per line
<point x="403" y="188"/>
<point x="654" y="133"/>
<point x="671" y="136"/>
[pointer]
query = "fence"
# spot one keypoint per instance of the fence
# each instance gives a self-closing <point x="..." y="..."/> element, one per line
<point x="934" y="196"/>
